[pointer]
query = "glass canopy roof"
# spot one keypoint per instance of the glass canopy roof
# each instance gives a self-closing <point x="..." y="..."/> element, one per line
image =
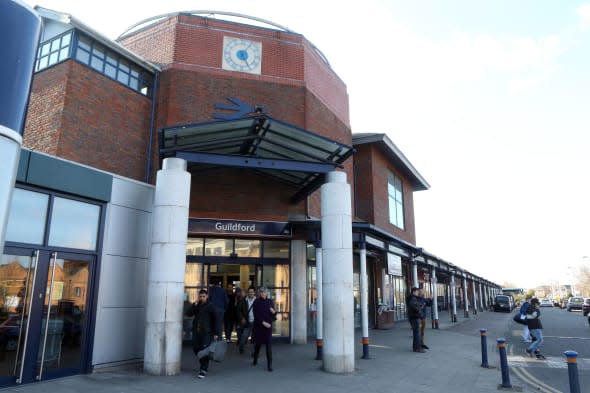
<point x="273" y="148"/>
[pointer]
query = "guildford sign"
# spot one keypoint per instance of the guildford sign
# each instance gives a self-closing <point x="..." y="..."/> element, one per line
<point x="198" y="226"/>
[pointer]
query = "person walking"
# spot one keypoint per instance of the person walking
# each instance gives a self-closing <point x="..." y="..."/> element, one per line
<point x="535" y="327"/>
<point x="229" y="318"/>
<point x="526" y="335"/>
<point x="264" y="313"/>
<point x="415" y="311"/>
<point x="205" y="328"/>
<point x="218" y="297"/>
<point x="245" y="318"/>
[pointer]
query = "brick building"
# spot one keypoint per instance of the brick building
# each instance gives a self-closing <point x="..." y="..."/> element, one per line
<point x="260" y="118"/>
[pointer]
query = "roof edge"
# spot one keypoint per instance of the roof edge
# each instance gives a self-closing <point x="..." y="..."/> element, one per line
<point x="361" y="139"/>
<point x="76" y="23"/>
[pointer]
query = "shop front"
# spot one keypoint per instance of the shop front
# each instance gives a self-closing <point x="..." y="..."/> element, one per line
<point x="241" y="254"/>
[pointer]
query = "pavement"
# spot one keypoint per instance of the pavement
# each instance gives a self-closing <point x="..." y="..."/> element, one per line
<point x="453" y="364"/>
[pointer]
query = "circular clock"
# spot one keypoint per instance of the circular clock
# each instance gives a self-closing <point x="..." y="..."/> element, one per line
<point x="242" y="55"/>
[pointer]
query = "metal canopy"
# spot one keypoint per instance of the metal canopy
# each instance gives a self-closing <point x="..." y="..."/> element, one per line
<point x="271" y="147"/>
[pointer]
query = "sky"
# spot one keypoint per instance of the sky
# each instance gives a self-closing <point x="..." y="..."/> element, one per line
<point x="489" y="100"/>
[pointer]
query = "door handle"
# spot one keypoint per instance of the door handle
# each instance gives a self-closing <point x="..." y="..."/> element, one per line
<point x="35" y="257"/>
<point x="52" y="263"/>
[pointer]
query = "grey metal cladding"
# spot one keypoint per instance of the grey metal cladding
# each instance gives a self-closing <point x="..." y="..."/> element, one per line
<point x="49" y="172"/>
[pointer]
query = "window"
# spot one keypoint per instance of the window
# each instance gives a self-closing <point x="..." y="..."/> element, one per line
<point x="27" y="217"/>
<point x="74" y="224"/>
<point x="73" y="44"/>
<point x="396" y="200"/>
<point x="54" y="50"/>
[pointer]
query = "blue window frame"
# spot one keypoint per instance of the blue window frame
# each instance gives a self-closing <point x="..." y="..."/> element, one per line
<point x="84" y="49"/>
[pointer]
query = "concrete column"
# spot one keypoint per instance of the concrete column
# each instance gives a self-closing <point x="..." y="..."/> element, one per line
<point x="319" y="303"/>
<point x="364" y="299"/>
<point x="434" y="300"/>
<point x="453" y="299"/>
<point x="415" y="283"/>
<point x="474" y="297"/>
<point x="22" y="25"/>
<point x="163" y="338"/>
<point x="298" y="292"/>
<point x="337" y="274"/>
<point x="465" y="298"/>
<point x="480" y="297"/>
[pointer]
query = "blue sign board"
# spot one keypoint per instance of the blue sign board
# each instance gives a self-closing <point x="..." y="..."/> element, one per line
<point x="197" y="226"/>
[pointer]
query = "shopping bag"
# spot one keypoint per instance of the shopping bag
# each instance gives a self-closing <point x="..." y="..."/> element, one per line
<point x="519" y="318"/>
<point x="218" y="350"/>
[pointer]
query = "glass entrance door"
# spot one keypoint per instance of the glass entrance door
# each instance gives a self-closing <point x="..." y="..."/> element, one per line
<point x="43" y="309"/>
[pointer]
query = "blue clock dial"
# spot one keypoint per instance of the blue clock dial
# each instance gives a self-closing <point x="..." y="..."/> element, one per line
<point x="242" y="55"/>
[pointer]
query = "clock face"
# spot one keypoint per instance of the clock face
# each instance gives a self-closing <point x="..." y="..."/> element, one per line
<point x="242" y="55"/>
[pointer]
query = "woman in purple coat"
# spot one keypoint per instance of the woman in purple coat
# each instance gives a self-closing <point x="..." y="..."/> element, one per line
<point x="264" y="312"/>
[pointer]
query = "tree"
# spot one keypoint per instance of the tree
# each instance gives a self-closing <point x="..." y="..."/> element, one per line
<point x="583" y="281"/>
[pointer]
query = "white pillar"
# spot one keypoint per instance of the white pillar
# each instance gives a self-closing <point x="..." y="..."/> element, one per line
<point x="415" y="283"/>
<point x="319" y="302"/>
<point x="474" y="297"/>
<point x="453" y="298"/>
<point x="298" y="292"/>
<point x="337" y="274"/>
<point x="364" y="299"/>
<point x="163" y="343"/>
<point x="10" y="143"/>
<point x="465" y="298"/>
<point x="434" y="298"/>
<point x="481" y="307"/>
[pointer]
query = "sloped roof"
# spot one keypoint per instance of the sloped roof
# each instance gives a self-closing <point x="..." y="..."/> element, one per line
<point x="395" y="155"/>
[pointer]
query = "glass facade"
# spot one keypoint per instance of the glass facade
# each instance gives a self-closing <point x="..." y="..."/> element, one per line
<point x="240" y="262"/>
<point x="76" y="45"/>
<point x="27" y="218"/>
<point x="73" y="224"/>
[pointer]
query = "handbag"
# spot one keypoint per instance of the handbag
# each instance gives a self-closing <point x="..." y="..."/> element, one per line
<point x="216" y="351"/>
<point x="519" y="318"/>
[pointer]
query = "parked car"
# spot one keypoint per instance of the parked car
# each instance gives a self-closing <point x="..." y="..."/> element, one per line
<point x="575" y="303"/>
<point x="586" y="306"/>
<point x="546" y="303"/>
<point x="503" y="303"/>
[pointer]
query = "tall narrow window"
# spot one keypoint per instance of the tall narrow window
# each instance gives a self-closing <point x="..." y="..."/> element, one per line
<point x="396" y="200"/>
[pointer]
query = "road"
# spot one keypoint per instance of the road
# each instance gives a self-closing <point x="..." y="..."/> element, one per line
<point x="562" y="331"/>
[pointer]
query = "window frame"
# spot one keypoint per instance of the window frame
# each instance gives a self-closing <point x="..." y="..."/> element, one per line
<point x="395" y="202"/>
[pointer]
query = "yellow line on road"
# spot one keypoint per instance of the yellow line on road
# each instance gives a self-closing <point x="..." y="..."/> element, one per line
<point x="528" y="378"/>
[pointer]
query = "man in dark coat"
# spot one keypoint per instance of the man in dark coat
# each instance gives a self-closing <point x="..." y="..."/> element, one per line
<point x="205" y="328"/>
<point x="415" y="312"/>
<point x="264" y="313"/>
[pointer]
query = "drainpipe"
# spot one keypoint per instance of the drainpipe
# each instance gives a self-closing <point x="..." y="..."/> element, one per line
<point x="148" y="170"/>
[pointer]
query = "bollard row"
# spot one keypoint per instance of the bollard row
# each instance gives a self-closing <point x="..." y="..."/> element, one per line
<point x="571" y="359"/>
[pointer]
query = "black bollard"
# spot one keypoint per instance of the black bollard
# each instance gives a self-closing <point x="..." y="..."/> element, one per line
<point x="504" y="363"/>
<point x="572" y="370"/>
<point x="484" y="347"/>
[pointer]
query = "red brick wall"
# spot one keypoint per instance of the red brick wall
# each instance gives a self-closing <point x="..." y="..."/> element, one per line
<point x="235" y="193"/>
<point x="363" y="181"/>
<point x="102" y="123"/>
<point x="373" y="201"/>
<point x="287" y="58"/>
<point x="44" y="113"/>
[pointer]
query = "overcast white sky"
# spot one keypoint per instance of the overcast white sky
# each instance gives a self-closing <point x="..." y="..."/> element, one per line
<point x="489" y="100"/>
